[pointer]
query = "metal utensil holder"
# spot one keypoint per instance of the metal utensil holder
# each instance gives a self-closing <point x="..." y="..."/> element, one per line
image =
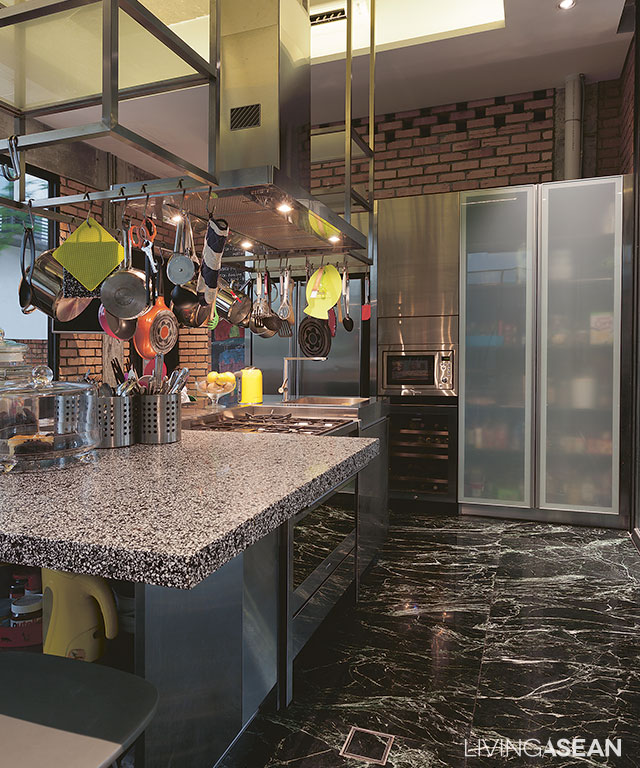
<point x="159" y="419"/>
<point x="116" y="417"/>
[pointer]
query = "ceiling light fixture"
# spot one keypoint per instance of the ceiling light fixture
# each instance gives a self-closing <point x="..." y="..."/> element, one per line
<point x="285" y="208"/>
<point x="334" y="239"/>
<point x="566" y="5"/>
<point x="246" y="244"/>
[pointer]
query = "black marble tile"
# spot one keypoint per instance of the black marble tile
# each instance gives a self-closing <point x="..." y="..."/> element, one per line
<point x="470" y="628"/>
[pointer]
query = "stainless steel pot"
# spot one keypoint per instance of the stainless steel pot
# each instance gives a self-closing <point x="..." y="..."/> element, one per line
<point x="125" y="292"/>
<point x="232" y="305"/>
<point x="41" y="288"/>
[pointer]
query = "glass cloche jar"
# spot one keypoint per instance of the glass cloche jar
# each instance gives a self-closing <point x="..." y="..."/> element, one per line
<point x="46" y="424"/>
<point x="12" y="363"/>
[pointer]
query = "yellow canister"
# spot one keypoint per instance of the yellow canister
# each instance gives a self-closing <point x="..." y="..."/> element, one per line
<point x="251" y="384"/>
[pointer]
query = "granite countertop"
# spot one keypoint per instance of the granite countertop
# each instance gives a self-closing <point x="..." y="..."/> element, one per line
<point x="170" y="515"/>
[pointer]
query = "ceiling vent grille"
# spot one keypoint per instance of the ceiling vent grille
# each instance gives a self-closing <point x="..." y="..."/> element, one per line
<point x="245" y="117"/>
<point x="324" y="18"/>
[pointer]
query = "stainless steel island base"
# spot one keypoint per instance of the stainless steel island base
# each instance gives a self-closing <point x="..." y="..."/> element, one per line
<point x="217" y="652"/>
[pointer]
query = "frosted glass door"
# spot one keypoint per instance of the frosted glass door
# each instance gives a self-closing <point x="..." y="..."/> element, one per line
<point x="496" y="346"/>
<point x="580" y="263"/>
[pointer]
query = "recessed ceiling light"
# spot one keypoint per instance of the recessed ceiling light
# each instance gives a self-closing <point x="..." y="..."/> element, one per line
<point x="334" y="239"/>
<point x="566" y="5"/>
<point x="175" y="219"/>
<point x="285" y="208"/>
<point x="246" y="244"/>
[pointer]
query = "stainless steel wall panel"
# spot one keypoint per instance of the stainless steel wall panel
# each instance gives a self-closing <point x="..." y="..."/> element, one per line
<point x="418" y="255"/>
<point x="419" y="332"/>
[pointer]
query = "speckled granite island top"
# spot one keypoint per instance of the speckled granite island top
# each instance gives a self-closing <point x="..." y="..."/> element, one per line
<point x="170" y="515"/>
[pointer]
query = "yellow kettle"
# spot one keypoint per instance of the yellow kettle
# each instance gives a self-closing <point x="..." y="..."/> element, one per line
<point x="79" y="612"/>
<point x="251" y="386"/>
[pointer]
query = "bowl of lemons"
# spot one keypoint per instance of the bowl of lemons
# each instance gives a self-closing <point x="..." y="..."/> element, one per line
<point x="216" y="385"/>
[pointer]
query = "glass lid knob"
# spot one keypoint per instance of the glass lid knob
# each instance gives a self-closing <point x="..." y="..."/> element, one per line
<point x="41" y="376"/>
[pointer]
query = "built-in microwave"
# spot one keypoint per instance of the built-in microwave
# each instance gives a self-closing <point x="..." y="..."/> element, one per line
<point x="408" y="371"/>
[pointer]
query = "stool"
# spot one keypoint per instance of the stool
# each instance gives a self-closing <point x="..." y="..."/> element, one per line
<point x="63" y="713"/>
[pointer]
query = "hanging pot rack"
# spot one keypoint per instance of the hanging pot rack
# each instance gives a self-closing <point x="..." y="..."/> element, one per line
<point x="259" y="229"/>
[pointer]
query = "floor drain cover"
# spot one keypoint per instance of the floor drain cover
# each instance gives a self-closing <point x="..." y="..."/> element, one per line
<point x="370" y="746"/>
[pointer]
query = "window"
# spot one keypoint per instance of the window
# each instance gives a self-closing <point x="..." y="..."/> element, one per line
<point x="32" y="328"/>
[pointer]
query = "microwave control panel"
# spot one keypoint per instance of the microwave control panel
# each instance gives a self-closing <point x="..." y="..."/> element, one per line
<point x="446" y="371"/>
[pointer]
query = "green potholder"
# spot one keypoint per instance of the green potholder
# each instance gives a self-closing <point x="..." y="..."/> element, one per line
<point x="90" y="254"/>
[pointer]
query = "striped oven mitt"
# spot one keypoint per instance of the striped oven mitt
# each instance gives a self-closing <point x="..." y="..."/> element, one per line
<point x="214" y="242"/>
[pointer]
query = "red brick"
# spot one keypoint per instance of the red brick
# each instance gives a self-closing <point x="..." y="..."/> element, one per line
<point x="458" y="176"/>
<point x="463" y="115"/>
<point x="429" y="120"/>
<point x="482" y="122"/>
<point x="483" y="173"/>
<point x="522" y="117"/>
<point x="401" y="163"/>
<point x="485" y="152"/>
<point x="539" y="103"/>
<point x="445" y="128"/>
<point x="500" y="109"/>
<point x="494" y="141"/>
<point x="460" y="186"/>
<point x="512" y="149"/>
<point x="464" y="145"/>
<point x="465" y="165"/>
<point x="492" y="162"/>
<point x="407" y="133"/>
<point x="507" y="170"/>
<point x="490" y="183"/>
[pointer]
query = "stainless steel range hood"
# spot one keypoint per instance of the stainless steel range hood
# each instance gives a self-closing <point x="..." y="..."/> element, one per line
<point x="265" y="87"/>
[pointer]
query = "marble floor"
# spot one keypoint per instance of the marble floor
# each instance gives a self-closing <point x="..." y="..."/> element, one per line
<point x="471" y="630"/>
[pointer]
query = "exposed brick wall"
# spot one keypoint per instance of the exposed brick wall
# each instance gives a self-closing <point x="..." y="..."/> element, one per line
<point x="609" y="128"/>
<point x="615" y="121"/>
<point x="626" y="112"/>
<point x="470" y="145"/>
<point x="37" y="354"/>
<point x="195" y="354"/>
<point x="79" y="352"/>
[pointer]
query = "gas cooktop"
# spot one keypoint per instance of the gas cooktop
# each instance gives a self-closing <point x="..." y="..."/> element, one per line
<point x="270" y="422"/>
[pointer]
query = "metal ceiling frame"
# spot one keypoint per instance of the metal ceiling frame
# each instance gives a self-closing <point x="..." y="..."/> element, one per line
<point x="109" y="125"/>
<point x="195" y="181"/>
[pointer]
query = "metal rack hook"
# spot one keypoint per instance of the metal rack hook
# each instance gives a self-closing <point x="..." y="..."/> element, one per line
<point x="88" y="199"/>
<point x="30" y="209"/>
<point x="143" y="191"/>
<point x="209" y="197"/>
<point x="12" y="173"/>
<point x="125" y="222"/>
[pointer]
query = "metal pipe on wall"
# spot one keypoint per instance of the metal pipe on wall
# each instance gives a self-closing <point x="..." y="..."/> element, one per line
<point x="573" y="101"/>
